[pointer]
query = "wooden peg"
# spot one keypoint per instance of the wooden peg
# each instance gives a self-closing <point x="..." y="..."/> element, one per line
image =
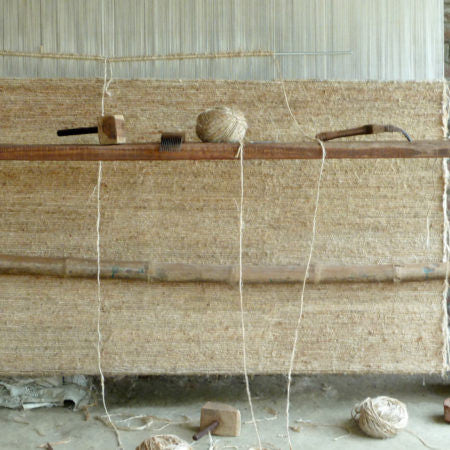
<point x="219" y="419"/>
<point x="110" y="130"/>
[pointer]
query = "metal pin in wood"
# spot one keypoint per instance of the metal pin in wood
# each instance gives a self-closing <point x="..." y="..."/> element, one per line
<point x="209" y="429"/>
<point x="110" y="130"/>
<point x="219" y="419"/>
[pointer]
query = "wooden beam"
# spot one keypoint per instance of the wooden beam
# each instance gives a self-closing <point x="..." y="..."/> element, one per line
<point x="224" y="151"/>
<point x="183" y="273"/>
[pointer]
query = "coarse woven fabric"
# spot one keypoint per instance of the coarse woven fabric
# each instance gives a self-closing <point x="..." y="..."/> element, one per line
<point x="372" y="211"/>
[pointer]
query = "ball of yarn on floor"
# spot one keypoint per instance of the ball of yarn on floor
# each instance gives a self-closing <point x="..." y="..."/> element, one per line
<point x="221" y="124"/>
<point x="164" y="442"/>
<point x="381" y="417"/>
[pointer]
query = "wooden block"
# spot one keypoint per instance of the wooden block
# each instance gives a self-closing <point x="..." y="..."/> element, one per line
<point x="447" y="410"/>
<point x="229" y="419"/>
<point x="111" y="129"/>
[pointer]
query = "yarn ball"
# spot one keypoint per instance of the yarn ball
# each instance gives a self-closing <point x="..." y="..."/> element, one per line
<point x="381" y="417"/>
<point x="221" y="124"/>
<point x="164" y="442"/>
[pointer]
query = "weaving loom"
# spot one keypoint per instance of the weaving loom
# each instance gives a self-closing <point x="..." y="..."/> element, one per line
<point x="264" y="249"/>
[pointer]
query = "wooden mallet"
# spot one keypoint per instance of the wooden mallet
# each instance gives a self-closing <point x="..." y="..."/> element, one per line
<point x="110" y="129"/>
<point x="219" y="419"/>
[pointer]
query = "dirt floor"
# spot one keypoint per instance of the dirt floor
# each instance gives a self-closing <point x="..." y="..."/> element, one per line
<point x="320" y="413"/>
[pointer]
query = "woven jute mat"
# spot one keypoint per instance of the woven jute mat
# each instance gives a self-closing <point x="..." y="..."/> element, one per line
<point x="372" y="211"/>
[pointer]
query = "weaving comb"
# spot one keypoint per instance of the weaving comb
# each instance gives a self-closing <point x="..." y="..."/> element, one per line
<point x="219" y="419"/>
<point x="171" y="142"/>
<point x="110" y="130"/>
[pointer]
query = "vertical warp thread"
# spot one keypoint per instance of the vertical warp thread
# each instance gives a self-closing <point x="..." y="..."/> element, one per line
<point x="445" y="258"/>
<point x="241" y="293"/>
<point x="106" y="81"/>
<point x="311" y="249"/>
<point x="446" y="248"/>
<point x="105" y="65"/>
<point x="444" y="207"/>
<point x="99" y="295"/>
<point x="99" y="312"/>
<point x="302" y="296"/>
<point x="99" y="292"/>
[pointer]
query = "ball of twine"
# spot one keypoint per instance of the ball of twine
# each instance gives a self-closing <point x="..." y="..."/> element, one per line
<point x="381" y="417"/>
<point x="221" y="124"/>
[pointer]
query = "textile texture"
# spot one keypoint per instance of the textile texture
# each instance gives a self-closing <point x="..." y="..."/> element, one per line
<point x="370" y="212"/>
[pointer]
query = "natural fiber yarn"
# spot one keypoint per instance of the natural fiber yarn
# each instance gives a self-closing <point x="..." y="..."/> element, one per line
<point x="221" y="124"/>
<point x="381" y="417"/>
<point x="164" y="442"/>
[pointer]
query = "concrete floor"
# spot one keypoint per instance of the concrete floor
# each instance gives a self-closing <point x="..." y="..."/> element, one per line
<point x="326" y="401"/>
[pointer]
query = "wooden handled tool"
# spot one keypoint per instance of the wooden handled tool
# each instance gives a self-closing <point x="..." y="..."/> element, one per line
<point x="219" y="419"/>
<point x="365" y="129"/>
<point x="110" y="129"/>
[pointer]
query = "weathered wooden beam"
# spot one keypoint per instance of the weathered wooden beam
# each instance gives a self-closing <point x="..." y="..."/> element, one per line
<point x="225" y="151"/>
<point x="180" y="273"/>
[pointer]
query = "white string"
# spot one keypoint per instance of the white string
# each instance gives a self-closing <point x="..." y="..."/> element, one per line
<point x="311" y="249"/>
<point x="99" y="291"/>
<point x="211" y="442"/>
<point x="446" y="248"/>
<point x="445" y="258"/>
<point x="241" y="294"/>
<point x="300" y="316"/>
<point x="431" y="166"/>
<point x="445" y="170"/>
<point x="422" y="441"/>
<point x="286" y="100"/>
<point x="110" y="78"/>
<point x="99" y="311"/>
<point x="104" y="85"/>
<point x="106" y="81"/>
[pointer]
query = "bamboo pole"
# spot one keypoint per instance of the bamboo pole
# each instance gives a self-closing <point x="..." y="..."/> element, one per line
<point x="180" y="273"/>
<point x="226" y="151"/>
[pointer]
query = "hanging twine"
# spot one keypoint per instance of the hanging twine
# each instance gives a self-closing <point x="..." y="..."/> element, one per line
<point x="311" y="250"/>
<point x="381" y="417"/>
<point x="99" y="289"/>
<point x="168" y="57"/>
<point x="144" y="58"/>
